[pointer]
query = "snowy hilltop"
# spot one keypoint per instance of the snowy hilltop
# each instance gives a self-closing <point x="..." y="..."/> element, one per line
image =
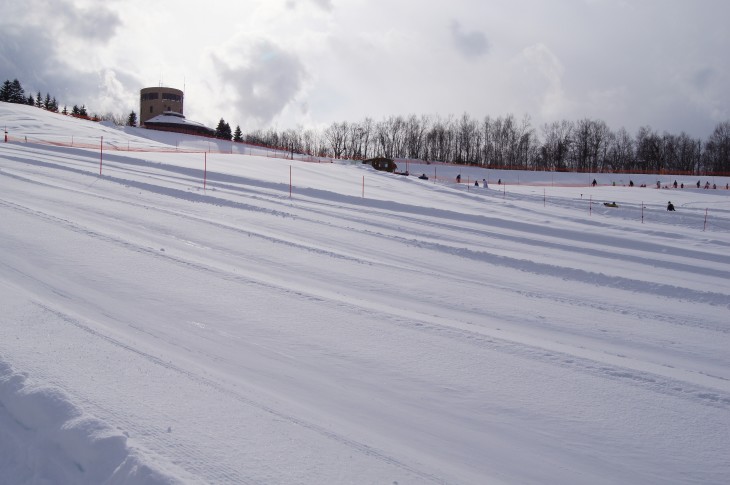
<point x="184" y="310"/>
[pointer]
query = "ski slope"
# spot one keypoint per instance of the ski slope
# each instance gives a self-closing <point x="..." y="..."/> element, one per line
<point x="191" y="317"/>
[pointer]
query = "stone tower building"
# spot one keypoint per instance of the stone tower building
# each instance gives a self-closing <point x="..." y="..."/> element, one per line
<point x="155" y="101"/>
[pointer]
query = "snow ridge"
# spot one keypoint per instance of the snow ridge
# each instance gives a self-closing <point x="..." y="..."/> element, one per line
<point x="38" y="421"/>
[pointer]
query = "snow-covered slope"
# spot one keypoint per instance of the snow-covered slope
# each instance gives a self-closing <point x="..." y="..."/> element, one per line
<point x="371" y="328"/>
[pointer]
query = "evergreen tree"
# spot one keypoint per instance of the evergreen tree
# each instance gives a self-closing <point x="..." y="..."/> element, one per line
<point x="5" y="91"/>
<point x="17" y="93"/>
<point x="38" y="100"/>
<point x="65" y="111"/>
<point x="54" y="105"/>
<point x="82" y="111"/>
<point x="47" y="102"/>
<point x="13" y="92"/>
<point x="237" y="135"/>
<point x="223" y="130"/>
<point x="30" y="101"/>
<point x="75" y="111"/>
<point x="132" y="119"/>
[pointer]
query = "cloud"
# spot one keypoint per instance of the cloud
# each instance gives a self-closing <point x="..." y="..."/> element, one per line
<point x="533" y="81"/>
<point x="325" y="5"/>
<point x="37" y="66"/>
<point x="39" y="43"/>
<point x="702" y="78"/>
<point x="93" y="24"/>
<point x="263" y="81"/>
<point x="470" y="44"/>
<point x="64" y="19"/>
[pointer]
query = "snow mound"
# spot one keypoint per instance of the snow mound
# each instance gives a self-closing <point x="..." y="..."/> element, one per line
<point x="45" y="438"/>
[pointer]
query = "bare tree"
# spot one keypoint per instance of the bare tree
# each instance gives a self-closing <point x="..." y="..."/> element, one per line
<point x="648" y="150"/>
<point x="717" y="149"/>
<point x="688" y="153"/>
<point x="620" y="155"/>
<point x="556" y="146"/>
<point x="336" y="136"/>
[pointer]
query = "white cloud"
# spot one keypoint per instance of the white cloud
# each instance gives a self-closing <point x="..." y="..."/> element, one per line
<point x="285" y="62"/>
<point x="536" y="76"/>
<point x="471" y="44"/>
<point x="259" y="79"/>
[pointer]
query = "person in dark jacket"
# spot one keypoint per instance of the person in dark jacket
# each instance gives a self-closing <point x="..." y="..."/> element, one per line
<point x="670" y="206"/>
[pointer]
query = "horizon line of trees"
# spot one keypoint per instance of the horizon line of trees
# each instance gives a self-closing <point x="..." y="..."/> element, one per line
<point x="13" y="92"/>
<point x="501" y="142"/>
<point x="504" y="142"/>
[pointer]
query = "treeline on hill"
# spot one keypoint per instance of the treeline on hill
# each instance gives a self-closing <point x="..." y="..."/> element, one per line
<point x="13" y="92"/>
<point x="504" y="142"/>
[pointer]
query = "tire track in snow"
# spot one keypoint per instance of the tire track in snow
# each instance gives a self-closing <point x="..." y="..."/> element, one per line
<point x="212" y="384"/>
<point x="419" y="269"/>
<point x="445" y="329"/>
<point x="567" y="357"/>
<point x="521" y="264"/>
<point x="524" y="228"/>
<point x="436" y="325"/>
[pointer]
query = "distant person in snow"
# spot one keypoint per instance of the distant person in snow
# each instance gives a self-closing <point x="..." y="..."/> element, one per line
<point x="631" y="183"/>
<point x="698" y="184"/>
<point x="594" y="183"/>
<point x="499" y="182"/>
<point x="484" y="183"/>
<point x="423" y="176"/>
<point x="476" y="183"/>
<point x="670" y="206"/>
<point x="675" y="184"/>
<point x="458" y="179"/>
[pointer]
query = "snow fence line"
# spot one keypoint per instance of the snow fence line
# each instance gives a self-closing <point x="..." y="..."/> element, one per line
<point x="45" y="438"/>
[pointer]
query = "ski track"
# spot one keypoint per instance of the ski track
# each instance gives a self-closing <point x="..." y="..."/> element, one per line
<point x="399" y="225"/>
<point x="581" y="276"/>
<point x="222" y="473"/>
<point x="536" y="268"/>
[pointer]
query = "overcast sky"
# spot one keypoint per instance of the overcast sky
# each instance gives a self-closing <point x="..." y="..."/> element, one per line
<point x="283" y="63"/>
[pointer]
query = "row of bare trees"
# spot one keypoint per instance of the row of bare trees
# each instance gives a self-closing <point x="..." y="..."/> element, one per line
<point x="584" y="145"/>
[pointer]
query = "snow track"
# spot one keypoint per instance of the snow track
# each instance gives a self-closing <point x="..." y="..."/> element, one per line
<point x="421" y="334"/>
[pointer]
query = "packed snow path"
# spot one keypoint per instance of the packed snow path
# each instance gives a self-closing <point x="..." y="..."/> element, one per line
<point x="420" y="334"/>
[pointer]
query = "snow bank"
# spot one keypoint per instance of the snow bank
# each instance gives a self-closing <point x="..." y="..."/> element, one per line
<point x="45" y="438"/>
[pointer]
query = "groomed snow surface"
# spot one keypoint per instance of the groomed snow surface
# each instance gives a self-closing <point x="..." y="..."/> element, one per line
<point x="370" y="328"/>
